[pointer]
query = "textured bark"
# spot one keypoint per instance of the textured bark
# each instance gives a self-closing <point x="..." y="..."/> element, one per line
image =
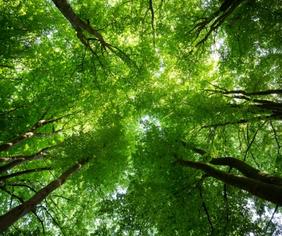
<point x="16" y="213"/>
<point x="270" y="192"/>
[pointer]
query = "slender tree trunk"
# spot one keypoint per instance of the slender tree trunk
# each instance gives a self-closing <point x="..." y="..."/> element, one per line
<point x="270" y="192"/>
<point x="16" y="213"/>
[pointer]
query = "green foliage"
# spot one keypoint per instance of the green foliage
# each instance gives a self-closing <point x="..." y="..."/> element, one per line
<point x="156" y="97"/>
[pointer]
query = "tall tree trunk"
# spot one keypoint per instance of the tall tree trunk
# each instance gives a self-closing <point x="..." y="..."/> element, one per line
<point x="257" y="93"/>
<point x="16" y="213"/>
<point x="270" y="192"/>
<point x="247" y="170"/>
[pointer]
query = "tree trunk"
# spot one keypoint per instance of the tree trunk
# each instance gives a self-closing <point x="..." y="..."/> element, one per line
<point x="247" y="170"/>
<point x="270" y="192"/>
<point x="16" y="213"/>
<point x="257" y="93"/>
<point x="78" y="24"/>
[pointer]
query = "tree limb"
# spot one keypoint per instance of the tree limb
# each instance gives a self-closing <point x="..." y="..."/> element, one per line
<point x="270" y="192"/>
<point x="16" y="213"/>
<point x="247" y="170"/>
<point x="5" y="177"/>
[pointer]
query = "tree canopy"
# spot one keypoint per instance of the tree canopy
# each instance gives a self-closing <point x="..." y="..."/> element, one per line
<point x="149" y="117"/>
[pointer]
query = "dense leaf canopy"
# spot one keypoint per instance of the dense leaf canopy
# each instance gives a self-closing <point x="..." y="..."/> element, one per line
<point x="140" y="117"/>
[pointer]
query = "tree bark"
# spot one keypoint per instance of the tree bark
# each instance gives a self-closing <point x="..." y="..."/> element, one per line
<point x="16" y="213"/>
<point x="263" y="92"/>
<point x="212" y="23"/>
<point x="247" y="170"/>
<point x="270" y="192"/>
<point x="274" y="116"/>
<point x="17" y="160"/>
<point x="77" y="23"/>
<point x="28" y="134"/>
<point x="4" y="177"/>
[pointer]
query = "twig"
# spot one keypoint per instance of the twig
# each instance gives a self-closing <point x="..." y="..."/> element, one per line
<point x="151" y="7"/>
<point x="205" y="208"/>
<point x="268" y="223"/>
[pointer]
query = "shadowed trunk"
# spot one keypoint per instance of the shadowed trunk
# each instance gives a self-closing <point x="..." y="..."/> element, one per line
<point x="78" y="24"/>
<point x="16" y="213"/>
<point x="247" y="170"/>
<point x="270" y="192"/>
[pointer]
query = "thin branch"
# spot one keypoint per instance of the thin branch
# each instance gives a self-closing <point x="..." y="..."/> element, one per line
<point x="206" y="209"/>
<point x="212" y="23"/>
<point x="5" y="177"/>
<point x="252" y="141"/>
<point x="52" y="218"/>
<point x="41" y="122"/>
<point x="17" y="160"/>
<point x="4" y="113"/>
<point x="244" y="121"/>
<point x="81" y="26"/>
<point x="268" y="223"/>
<point x="78" y="24"/>
<point x="16" y="213"/>
<point x="151" y="7"/>
<point x="22" y="185"/>
<point x="276" y="139"/>
<point x="193" y="148"/>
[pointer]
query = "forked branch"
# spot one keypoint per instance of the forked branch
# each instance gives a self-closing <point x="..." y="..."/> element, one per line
<point x="212" y="23"/>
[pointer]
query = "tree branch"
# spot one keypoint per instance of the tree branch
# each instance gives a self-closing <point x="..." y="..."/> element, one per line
<point x="14" y="214"/>
<point x="78" y="24"/>
<point x="247" y="170"/>
<point x="17" y="160"/>
<point x="206" y="209"/>
<point x="270" y="192"/>
<point x="5" y="177"/>
<point x="151" y="7"/>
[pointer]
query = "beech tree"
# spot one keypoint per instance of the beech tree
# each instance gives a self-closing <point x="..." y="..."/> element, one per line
<point x="140" y="118"/>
